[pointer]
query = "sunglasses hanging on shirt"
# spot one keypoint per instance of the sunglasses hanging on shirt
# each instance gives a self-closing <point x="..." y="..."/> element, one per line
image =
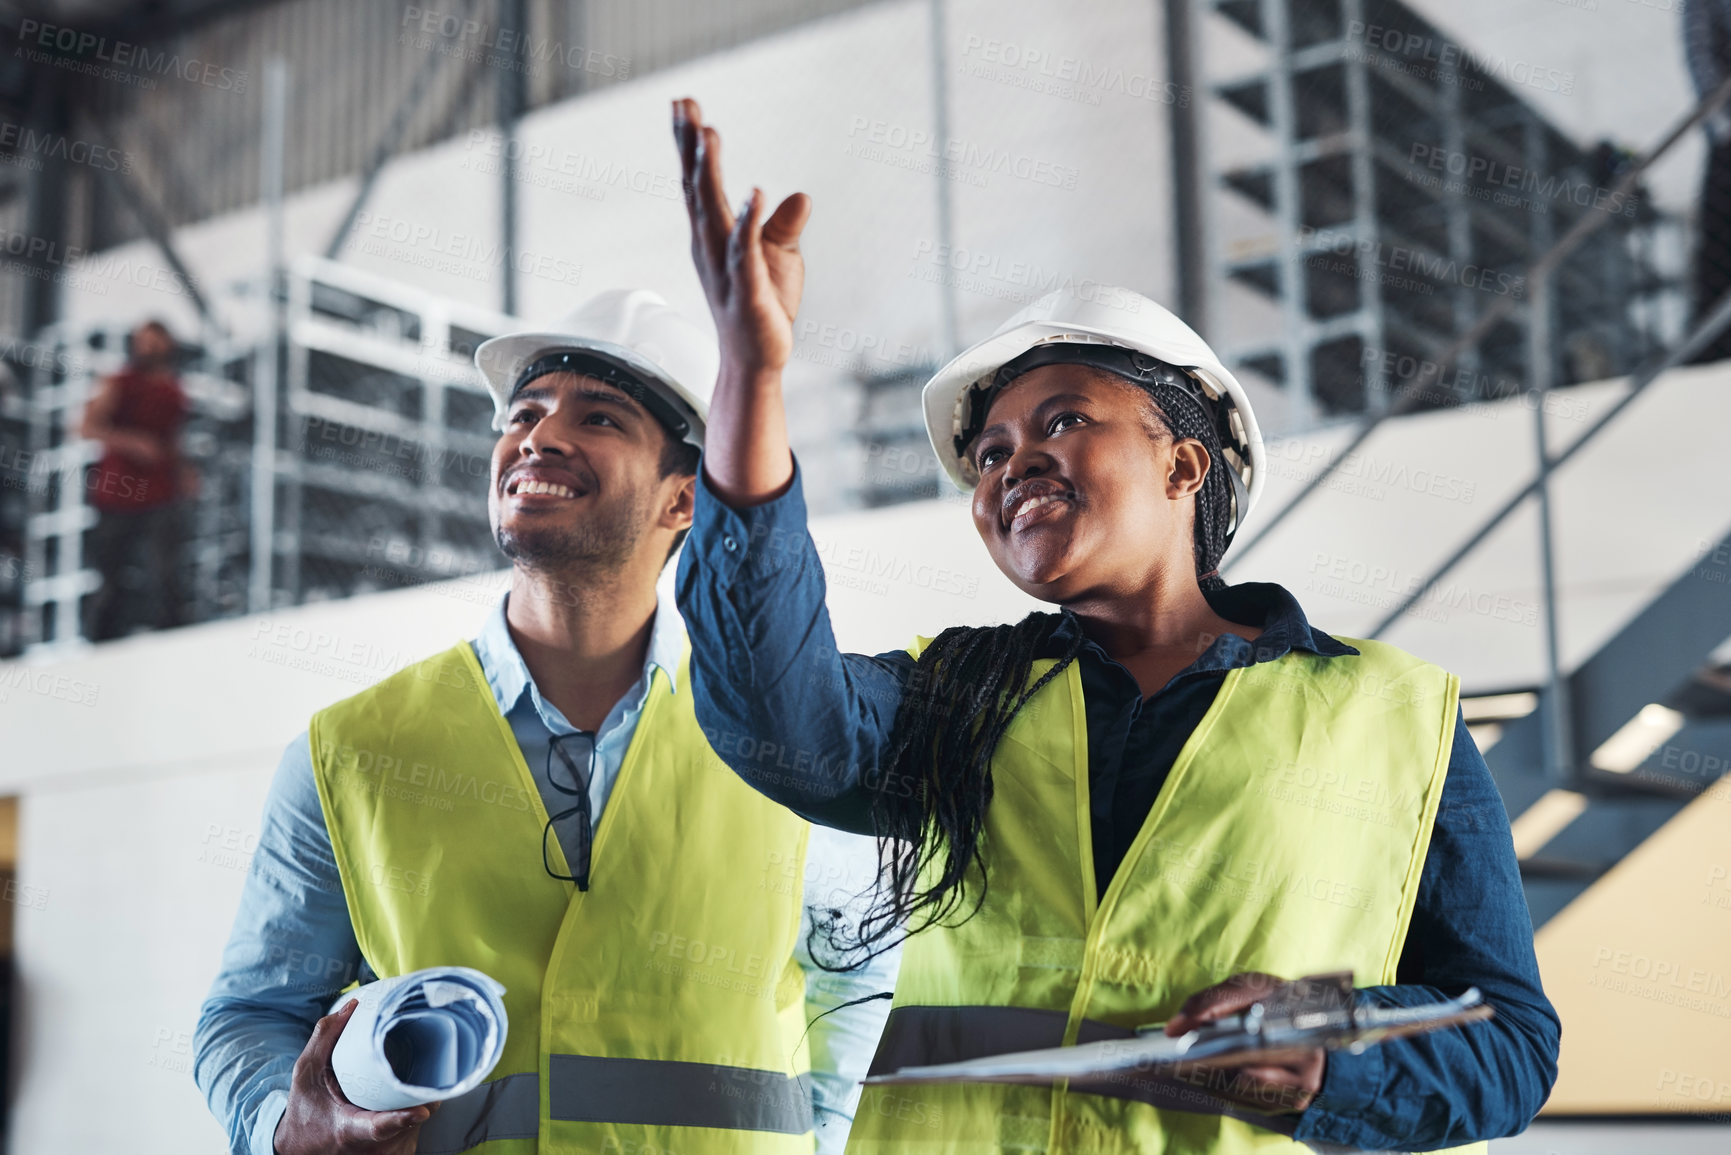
<point x="580" y="778"/>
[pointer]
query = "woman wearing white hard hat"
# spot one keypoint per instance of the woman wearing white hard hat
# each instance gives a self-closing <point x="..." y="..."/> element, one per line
<point x="1152" y="805"/>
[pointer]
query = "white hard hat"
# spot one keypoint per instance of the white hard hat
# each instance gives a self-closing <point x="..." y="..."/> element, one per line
<point x="1112" y="317"/>
<point x="634" y="330"/>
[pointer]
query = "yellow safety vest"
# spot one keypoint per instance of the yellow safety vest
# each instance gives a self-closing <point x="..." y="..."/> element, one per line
<point x="1288" y="838"/>
<point x="658" y="1011"/>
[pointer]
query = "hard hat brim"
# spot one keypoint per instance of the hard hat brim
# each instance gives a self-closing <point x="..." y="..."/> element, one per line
<point x="949" y="386"/>
<point x="502" y="359"/>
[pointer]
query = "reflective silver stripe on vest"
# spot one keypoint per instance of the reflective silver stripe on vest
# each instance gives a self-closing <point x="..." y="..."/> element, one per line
<point x="664" y="1093"/>
<point x="926" y="1036"/>
<point x="507" y="1108"/>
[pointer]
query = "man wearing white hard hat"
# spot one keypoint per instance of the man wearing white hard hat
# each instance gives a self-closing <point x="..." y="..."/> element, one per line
<point x="1154" y="805"/>
<point x="541" y="805"/>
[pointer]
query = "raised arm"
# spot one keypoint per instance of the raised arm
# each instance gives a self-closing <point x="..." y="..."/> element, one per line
<point x="753" y="274"/>
<point x="797" y="719"/>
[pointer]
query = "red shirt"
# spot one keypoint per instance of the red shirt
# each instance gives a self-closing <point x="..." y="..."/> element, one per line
<point x="150" y="403"/>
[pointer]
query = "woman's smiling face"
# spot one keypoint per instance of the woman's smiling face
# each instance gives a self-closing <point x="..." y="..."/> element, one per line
<point x="1082" y="491"/>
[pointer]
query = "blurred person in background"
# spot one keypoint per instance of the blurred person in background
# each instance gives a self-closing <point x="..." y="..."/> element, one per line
<point x="1155" y="805"/>
<point x="137" y="488"/>
<point x="539" y="804"/>
<point x="1707" y="44"/>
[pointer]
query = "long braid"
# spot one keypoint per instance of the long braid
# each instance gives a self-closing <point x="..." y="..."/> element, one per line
<point x="929" y="805"/>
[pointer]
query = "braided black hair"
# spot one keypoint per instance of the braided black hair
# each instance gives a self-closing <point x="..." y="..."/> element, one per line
<point x="929" y="803"/>
<point x="1183" y="418"/>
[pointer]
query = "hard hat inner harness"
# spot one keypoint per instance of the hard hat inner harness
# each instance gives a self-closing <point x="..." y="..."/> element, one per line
<point x="1190" y="407"/>
<point x="588" y="363"/>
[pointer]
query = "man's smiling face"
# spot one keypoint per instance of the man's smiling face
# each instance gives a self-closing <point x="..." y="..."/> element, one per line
<point x="577" y="476"/>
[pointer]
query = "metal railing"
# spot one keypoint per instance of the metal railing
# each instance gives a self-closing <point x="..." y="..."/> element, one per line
<point x="1556" y="745"/>
<point x="58" y="576"/>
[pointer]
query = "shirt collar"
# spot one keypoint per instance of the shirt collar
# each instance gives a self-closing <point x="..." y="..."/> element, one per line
<point x="666" y="641"/>
<point x="1284" y="629"/>
<point x="1284" y="626"/>
<point x="508" y="674"/>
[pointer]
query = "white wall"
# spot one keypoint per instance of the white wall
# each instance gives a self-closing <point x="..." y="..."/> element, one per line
<point x="1636" y="508"/>
<point x="142" y="768"/>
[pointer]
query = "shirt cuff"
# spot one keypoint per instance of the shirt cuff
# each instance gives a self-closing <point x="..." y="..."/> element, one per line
<point x="1351" y="1085"/>
<point x="265" y="1123"/>
<point x="757" y="539"/>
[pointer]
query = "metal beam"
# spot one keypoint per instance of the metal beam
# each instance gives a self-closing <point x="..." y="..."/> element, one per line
<point x="391" y="139"/>
<point x="262" y="523"/>
<point x="1373" y="306"/>
<point x="1290" y="256"/>
<point x="514" y="16"/>
<point x="1187" y="171"/>
<point x="1559" y="751"/>
<point x="45" y="206"/>
<point x="153" y="222"/>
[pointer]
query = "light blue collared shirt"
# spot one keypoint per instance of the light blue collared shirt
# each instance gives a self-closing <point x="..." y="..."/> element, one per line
<point x="536" y="722"/>
<point x="293" y="948"/>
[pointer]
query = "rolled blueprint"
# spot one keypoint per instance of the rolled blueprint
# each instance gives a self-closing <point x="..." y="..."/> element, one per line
<point x="419" y="1038"/>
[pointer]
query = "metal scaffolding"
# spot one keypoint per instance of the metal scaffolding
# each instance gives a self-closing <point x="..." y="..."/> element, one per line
<point x="385" y="446"/>
<point x="50" y="467"/>
<point x="372" y="459"/>
<point x="1406" y="189"/>
<point x="1589" y="740"/>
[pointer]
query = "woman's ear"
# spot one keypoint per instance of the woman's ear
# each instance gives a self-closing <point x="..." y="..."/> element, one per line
<point x="1190" y="463"/>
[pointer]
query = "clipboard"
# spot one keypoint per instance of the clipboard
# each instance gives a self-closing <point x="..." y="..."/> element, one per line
<point x="1291" y="1020"/>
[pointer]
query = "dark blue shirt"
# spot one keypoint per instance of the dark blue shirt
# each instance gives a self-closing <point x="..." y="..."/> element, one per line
<point x="805" y="724"/>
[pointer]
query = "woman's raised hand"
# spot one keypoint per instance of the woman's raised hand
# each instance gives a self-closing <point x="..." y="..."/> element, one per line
<point x="753" y="274"/>
<point x="751" y="268"/>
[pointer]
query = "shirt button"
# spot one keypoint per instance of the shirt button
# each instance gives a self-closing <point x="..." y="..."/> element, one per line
<point x="730" y="544"/>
